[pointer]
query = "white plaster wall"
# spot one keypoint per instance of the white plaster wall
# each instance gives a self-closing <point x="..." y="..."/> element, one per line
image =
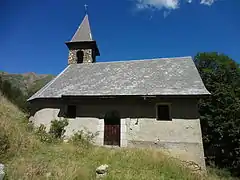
<point x="146" y="129"/>
<point x="85" y="124"/>
<point x="45" y="116"/>
<point x="177" y="130"/>
<point x="181" y="135"/>
<point x="94" y="125"/>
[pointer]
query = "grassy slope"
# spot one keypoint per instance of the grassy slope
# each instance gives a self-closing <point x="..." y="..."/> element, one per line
<point x="28" y="158"/>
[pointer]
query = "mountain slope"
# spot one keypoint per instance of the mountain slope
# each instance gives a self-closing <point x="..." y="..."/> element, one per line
<point x="28" y="83"/>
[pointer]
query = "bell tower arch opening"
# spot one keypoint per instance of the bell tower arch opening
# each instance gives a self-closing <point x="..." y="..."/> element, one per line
<point x="79" y="55"/>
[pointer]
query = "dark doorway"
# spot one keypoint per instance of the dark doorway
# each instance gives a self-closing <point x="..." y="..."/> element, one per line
<point x="112" y="128"/>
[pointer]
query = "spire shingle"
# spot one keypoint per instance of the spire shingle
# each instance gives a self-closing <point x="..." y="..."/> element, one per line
<point x="83" y="32"/>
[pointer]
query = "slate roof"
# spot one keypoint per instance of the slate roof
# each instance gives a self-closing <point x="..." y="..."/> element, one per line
<point x="164" y="76"/>
<point x="83" y="32"/>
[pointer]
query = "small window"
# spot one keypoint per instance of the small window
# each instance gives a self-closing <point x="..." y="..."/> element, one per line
<point x="71" y="111"/>
<point x="163" y="112"/>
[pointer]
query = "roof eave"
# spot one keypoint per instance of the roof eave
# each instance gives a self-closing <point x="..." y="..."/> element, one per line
<point x="83" y="44"/>
<point x="112" y="96"/>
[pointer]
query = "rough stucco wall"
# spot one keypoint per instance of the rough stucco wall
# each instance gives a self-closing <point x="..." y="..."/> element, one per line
<point x="87" y="56"/>
<point x="46" y="115"/>
<point x="139" y="127"/>
<point x="181" y="137"/>
<point x="177" y="130"/>
<point x="83" y="123"/>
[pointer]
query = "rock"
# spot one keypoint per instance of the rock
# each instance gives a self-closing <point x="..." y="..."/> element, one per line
<point x="65" y="140"/>
<point x="192" y="165"/>
<point x="102" y="169"/>
<point x="99" y="176"/>
<point x="2" y="173"/>
<point x="49" y="174"/>
<point x="156" y="141"/>
<point x="196" y="167"/>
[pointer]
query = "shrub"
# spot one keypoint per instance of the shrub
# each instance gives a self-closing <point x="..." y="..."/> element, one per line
<point x="57" y="128"/>
<point x="29" y="127"/>
<point x="4" y="142"/>
<point x="55" y="133"/>
<point x="83" y="138"/>
<point x="43" y="135"/>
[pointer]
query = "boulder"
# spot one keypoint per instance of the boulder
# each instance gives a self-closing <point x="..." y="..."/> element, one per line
<point x="102" y="169"/>
<point x="100" y="176"/>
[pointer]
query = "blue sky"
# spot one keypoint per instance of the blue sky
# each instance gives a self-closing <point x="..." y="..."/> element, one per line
<point x="32" y="33"/>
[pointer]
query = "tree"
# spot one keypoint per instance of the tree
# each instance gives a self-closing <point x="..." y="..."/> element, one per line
<point x="14" y="94"/>
<point x="220" y="113"/>
<point x="1" y="81"/>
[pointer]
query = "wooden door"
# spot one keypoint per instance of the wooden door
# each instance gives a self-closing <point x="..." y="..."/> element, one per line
<point x="112" y="128"/>
<point x="112" y="134"/>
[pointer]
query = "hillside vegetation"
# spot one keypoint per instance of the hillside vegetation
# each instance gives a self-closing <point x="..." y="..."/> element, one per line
<point x="220" y="112"/>
<point x="28" y="83"/>
<point x="26" y="157"/>
<point x="19" y="87"/>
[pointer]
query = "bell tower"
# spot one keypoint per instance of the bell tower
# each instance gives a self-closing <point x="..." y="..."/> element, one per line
<point x="82" y="47"/>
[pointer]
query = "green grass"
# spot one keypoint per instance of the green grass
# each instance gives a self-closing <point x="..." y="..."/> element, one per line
<point x="28" y="158"/>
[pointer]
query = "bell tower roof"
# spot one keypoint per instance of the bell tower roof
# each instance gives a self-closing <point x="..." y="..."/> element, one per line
<point x="82" y="39"/>
<point x="82" y="47"/>
<point x="83" y="32"/>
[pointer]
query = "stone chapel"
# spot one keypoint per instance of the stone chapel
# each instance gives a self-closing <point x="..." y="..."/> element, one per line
<point x="135" y="103"/>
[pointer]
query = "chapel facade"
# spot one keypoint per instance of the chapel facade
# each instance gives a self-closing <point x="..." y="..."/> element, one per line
<point x="138" y="103"/>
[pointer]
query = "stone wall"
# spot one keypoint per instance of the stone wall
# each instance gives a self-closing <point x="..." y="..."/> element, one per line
<point x="139" y="127"/>
<point x="88" y="56"/>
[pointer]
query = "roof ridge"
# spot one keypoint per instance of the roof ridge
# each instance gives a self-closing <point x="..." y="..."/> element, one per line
<point x="134" y="60"/>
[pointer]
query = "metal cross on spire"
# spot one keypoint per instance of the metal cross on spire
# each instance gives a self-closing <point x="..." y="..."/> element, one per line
<point x="85" y="6"/>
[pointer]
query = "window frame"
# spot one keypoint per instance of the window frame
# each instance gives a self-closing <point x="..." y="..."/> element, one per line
<point x="169" y="109"/>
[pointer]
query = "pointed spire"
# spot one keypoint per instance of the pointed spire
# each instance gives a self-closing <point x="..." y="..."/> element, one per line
<point x="83" y="32"/>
